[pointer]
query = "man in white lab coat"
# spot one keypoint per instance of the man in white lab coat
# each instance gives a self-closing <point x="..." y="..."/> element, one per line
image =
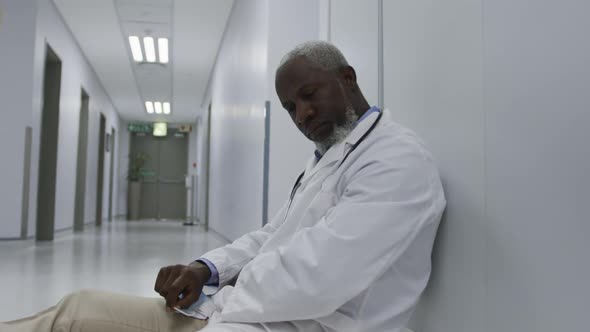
<point x="348" y="251"/>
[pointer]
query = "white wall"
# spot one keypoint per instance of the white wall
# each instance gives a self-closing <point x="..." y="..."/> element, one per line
<point x="433" y="84"/>
<point x="76" y="73"/>
<point x="498" y="89"/>
<point x="238" y="94"/>
<point x="354" y="29"/>
<point x="289" y="149"/>
<point x="537" y="105"/>
<point x="17" y="30"/>
<point x="27" y="27"/>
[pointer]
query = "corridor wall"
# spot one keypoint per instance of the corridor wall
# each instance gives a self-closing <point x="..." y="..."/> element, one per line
<point x="289" y="149"/>
<point x="237" y="94"/>
<point x="354" y="29"/>
<point x="28" y="27"/>
<point x="537" y="106"/>
<point x="433" y="80"/>
<point x="76" y="73"/>
<point x="17" y="29"/>
<point x="498" y="91"/>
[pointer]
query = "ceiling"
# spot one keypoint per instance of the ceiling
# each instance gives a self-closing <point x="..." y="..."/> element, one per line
<point x="194" y="29"/>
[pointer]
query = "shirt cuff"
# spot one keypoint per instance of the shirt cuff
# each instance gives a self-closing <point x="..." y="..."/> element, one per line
<point x="214" y="279"/>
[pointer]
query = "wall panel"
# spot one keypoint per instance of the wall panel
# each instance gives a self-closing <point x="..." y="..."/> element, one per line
<point x="433" y="85"/>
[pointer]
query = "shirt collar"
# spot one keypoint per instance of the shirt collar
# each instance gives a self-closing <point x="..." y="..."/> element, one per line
<point x="370" y="111"/>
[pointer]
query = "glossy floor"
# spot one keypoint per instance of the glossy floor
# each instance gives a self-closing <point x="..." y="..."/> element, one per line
<point x="120" y="256"/>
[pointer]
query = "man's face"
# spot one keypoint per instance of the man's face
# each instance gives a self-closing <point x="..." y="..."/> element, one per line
<point x="313" y="97"/>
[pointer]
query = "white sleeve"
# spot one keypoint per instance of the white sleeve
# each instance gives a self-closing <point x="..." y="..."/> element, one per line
<point x="383" y="208"/>
<point x="230" y="259"/>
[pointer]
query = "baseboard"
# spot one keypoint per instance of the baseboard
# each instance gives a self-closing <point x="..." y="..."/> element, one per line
<point x="62" y="230"/>
<point x="58" y="231"/>
<point x="217" y="234"/>
<point x="14" y="238"/>
<point x="32" y="237"/>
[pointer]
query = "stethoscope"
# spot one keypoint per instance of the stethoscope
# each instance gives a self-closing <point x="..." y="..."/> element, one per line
<point x="298" y="182"/>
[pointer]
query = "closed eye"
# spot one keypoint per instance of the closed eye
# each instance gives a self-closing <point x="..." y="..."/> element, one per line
<point x="308" y="93"/>
<point x="290" y="107"/>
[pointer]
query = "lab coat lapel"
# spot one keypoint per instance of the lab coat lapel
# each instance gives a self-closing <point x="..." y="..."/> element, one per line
<point x="333" y="155"/>
<point x="359" y="131"/>
<point x="337" y="152"/>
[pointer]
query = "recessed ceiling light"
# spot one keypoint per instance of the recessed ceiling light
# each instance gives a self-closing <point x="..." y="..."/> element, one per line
<point x="149" y="106"/>
<point x="163" y="49"/>
<point x="150" y="50"/>
<point x="135" y="48"/>
<point x="158" y="107"/>
<point x="166" y="108"/>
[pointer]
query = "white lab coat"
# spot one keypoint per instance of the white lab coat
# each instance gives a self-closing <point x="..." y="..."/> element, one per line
<point x="353" y="252"/>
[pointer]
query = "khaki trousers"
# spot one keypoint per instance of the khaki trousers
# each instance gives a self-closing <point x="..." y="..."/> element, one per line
<point x="94" y="311"/>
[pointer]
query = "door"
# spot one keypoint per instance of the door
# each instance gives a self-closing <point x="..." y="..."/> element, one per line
<point x="148" y="204"/>
<point x="112" y="145"/>
<point x="48" y="148"/>
<point x="163" y="192"/>
<point x="100" y="176"/>
<point x="171" y="177"/>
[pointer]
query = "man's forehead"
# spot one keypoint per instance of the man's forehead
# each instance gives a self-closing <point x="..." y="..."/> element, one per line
<point x="297" y="71"/>
<point x="293" y="67"/>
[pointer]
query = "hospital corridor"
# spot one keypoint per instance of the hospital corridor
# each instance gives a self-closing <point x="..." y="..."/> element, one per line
<point x="294" y="165"/>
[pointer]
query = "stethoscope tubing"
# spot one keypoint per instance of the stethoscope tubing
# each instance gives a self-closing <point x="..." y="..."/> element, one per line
<point x="298" y="181"/>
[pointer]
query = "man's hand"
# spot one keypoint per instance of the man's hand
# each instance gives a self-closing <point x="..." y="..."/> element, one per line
<point x="187" y="280"/>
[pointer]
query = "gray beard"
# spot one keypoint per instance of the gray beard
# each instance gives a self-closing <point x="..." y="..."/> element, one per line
<point x="340" y="131"/>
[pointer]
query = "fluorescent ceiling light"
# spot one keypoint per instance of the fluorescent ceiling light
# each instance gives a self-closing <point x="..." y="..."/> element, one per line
<point x="163" y="49"/>
<point x="166" y="108"/>
<point x="135" y="48"/>
<point x="158" y="107"/>
<point x="150" y="50"/>
<point x="149" y="106"/>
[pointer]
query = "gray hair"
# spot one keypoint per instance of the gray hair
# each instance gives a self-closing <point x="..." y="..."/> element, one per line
<point x="320" y="53"/>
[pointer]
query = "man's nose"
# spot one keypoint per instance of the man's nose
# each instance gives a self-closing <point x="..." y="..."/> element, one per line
<point x="303" y="113"/>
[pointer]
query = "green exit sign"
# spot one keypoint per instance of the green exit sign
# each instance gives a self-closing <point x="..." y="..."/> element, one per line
<point x="140" y="128"/>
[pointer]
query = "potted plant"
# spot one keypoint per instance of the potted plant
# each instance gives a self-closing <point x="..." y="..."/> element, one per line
<point x="135" y="175"/>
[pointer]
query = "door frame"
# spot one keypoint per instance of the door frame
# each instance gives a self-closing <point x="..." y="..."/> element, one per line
<point x="100" y="173"/>
<point x="111" y="171"/>
<point x="81" y="163"/>
<point x="48" y="147"/>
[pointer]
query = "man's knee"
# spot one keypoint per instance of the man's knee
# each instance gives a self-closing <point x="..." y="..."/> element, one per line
<point x="77" y="295"/>
<point x="74" y="308"/>
<point x="80" y="299"/>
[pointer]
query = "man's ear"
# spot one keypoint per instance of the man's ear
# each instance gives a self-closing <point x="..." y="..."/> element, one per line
<point x="348" y="76"/>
